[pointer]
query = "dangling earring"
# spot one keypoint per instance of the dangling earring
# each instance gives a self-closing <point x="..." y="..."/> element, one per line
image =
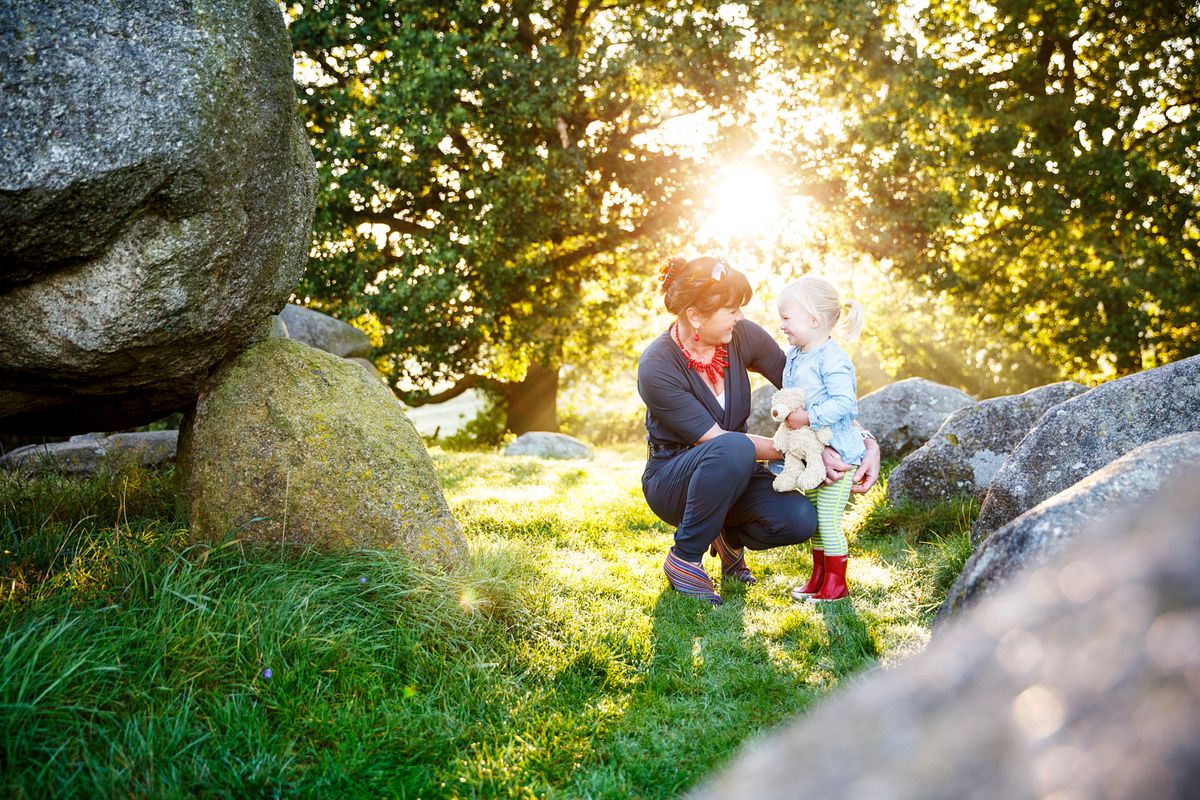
<point x="696" y="336"/>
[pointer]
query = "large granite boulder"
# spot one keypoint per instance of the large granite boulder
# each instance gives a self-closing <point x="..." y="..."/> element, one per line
<point x="906" y="414"/>
<point x="292" y="444"/>
<point x="156" y="196"/>
<point x="970" y="447"/>
<point x="545" y="444"/>
<point x="1078" y="437"/>
<point x="1080" y="680"/>
<point x="1040" y="533"/>
<point x="86" y="455"/>
<point x="759" y="422"/>
<point x="325" y="332"/>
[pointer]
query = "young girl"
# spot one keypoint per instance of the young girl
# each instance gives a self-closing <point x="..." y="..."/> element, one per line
<point x="810" y="311"/>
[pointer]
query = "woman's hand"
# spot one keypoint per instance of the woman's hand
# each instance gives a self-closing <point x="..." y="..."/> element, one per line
<point x="835" y="468"/>
<point x="797" y="419"/>
<point x="868" y="471"/>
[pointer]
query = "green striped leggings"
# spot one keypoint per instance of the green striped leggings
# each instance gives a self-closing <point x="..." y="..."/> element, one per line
<point x="831" y="502"/>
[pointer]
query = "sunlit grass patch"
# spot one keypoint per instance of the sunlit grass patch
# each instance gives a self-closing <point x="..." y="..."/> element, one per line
<point x="557" y="663"/>
<point x="64" y="533"/>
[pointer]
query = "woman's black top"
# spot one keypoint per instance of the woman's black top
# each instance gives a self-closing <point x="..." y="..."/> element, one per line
<point x="680" y="406"/>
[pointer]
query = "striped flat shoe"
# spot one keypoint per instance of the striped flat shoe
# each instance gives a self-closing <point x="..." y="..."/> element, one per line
<point x="733" y="562"/>
<point x="690" y="579"/>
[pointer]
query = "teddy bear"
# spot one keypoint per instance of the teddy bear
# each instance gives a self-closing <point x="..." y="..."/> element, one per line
<point x="801" y="447"/>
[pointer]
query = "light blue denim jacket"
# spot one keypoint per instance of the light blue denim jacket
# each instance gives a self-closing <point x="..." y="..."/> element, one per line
<point x="826" y="375"/>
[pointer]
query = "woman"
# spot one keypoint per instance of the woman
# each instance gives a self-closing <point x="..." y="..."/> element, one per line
<point x="703" y="474"/>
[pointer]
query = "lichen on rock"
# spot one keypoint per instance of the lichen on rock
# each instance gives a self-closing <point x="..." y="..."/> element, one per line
<point x="1085" y="433"/>
<point x="972" y="445"/>
<point x="291" y="444"/>
<point x="156" y="195"/>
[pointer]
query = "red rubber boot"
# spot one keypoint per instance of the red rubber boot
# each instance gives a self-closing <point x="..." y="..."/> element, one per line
<point x="815" y="580"/>
<point x="834" y="585"/>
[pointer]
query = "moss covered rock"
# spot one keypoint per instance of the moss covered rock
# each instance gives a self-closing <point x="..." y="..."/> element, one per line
<point x="1088" y="432"/>
<point x="292" y="444"/>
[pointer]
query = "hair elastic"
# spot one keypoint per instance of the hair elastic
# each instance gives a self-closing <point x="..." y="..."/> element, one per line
<point x="669" y="270"/>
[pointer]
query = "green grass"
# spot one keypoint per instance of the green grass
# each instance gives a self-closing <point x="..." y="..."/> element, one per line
<point x="559" y="664"/>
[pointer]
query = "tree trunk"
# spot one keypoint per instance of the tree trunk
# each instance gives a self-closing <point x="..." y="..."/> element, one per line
<point x="533" y="403"/>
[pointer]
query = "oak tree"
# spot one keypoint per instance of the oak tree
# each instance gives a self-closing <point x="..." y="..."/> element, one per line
<point x="491" y="177"/>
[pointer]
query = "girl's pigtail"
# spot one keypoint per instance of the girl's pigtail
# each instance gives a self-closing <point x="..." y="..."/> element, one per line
<point x="850" y="326"/>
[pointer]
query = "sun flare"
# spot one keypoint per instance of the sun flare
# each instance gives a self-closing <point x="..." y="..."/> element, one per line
<point x="745" y="203"/>
<point x="748" y="205"/>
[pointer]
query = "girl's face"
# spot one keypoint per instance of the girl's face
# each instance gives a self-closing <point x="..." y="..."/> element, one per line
<point x="799" y="327"/>
<point x="718" y="328"/>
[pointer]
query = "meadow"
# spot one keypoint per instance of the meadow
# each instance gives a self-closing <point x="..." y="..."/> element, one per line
<point x="558" y="664"/>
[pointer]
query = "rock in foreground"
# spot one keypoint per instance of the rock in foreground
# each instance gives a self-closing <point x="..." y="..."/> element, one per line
<point x="1033" y="538"/>
<point x="1083" y="434"/>
<point x="156" y="198"/>
<point x="971" y="446"/>
<point x="293" y="444"/>
<point x="904" y="415"/>
<point x="1058" y="686"/>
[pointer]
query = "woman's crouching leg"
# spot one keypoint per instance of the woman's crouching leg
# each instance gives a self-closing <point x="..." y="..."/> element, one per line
<point x="762" y="518"/>
<point x="697" y="489"/>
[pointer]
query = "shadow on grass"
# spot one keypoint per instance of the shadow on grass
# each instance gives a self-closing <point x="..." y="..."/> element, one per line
<point x="712" y="684"/>
<point x="849" y="634"/>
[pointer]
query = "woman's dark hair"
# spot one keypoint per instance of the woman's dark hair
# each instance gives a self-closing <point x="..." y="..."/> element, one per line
<point x="705" y="283"/>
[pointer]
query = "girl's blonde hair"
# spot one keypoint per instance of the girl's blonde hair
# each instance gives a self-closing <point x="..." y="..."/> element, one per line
<point x="819" y="297"/>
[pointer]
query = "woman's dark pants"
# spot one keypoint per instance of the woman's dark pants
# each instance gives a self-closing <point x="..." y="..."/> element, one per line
<point x="718" y="485"/>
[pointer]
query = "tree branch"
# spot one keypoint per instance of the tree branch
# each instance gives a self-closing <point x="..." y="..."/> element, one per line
<point x="651" y="223"/>
<point x="570" y="27"/>
<point x="386" y="217"/>
<point x="522" y="10"/>
<point x="465" y="383"/>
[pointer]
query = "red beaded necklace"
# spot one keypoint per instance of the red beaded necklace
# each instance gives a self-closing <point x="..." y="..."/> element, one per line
<point x="714" y="370"/>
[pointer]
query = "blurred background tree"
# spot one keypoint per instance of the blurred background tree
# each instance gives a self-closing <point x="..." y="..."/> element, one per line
<point x="1010" y="188"/>
<point x="1033" y="163"/>
<point x="490" y="176"/>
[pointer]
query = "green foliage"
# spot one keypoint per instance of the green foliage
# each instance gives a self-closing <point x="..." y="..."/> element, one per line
<point x="937" y="537"/>
<point x="485" y="430"/>
<point x="917" y="522"/>
<point x="913" y="332"/>
<point x="58" y="532"/>
<point x="604" y="410"/>
<point x="171" y="422"/>
<point x="1036" y="164"/>
<point x="559" y="664"/>
<point x="605" y="424"/>
<point x="505" y="154"/>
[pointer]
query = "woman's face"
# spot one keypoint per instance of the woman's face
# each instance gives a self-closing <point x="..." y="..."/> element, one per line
<point x="718" y="328"/>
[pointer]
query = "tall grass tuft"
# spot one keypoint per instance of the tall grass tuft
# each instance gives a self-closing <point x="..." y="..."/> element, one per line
<point x="60" y="532"/>
<point x="557" y="663"/>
